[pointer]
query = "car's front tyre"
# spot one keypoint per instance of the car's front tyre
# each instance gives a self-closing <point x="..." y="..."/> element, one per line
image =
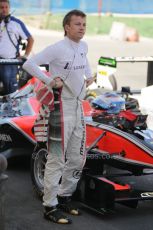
<point x="38" y="161"/>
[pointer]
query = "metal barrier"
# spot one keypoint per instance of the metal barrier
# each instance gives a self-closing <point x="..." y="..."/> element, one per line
<point x="114" y="6"/>
<point x="17" y="62"/>
<point x="148" y="60"/>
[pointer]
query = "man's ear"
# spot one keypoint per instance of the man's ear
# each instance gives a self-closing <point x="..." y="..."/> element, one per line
<point x="66" y="28"/>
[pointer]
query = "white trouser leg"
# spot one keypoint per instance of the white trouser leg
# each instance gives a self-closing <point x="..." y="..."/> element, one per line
<point x="73" y="134"/>
<point x="75" y="148"/>
<point x="53" y="173"/>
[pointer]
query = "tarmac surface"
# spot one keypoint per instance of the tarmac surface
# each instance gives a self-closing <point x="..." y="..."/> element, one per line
<point x="23" y="209"/>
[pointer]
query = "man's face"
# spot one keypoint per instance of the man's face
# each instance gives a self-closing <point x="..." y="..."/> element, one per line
<point x="76" y="29"/>
<point x="4" y="9"/>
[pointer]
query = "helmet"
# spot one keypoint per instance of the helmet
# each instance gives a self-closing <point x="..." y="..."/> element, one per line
<point x="109" y="101"/>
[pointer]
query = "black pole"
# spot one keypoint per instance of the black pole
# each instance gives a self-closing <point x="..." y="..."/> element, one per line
<point x="150" y="73"/>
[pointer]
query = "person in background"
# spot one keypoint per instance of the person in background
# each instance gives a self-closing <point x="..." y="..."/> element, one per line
<point x="12" y="31"/>
<point x="70" y="74"/>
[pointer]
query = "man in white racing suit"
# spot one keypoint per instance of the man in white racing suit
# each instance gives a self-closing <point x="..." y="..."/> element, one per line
<point x="71" y="74"/>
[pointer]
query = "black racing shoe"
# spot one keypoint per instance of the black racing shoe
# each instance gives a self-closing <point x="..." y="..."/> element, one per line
<point x="68" y="206"/>
<point x="55" y="215"/>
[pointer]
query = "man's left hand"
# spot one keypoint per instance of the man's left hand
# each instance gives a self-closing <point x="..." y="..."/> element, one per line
<point x="89" y="81"/>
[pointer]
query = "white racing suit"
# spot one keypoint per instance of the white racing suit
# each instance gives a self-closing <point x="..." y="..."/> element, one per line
<point x="66" y="150"/>
<point x="66" y="142"/>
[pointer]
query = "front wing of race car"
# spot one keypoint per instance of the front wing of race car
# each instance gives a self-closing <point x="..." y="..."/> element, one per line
<point x="109" y="177"/>
<point x="13" y="140"/>
<point x="16" y="126"/>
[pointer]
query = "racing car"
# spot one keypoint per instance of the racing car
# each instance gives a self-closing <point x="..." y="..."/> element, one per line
<point x="117" y="139"/>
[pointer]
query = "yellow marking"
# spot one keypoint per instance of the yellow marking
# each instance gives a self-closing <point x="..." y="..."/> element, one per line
<point x="103" y="73"/>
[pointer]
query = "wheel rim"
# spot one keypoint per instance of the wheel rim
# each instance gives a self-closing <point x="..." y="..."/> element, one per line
<point x="39" y="167"/>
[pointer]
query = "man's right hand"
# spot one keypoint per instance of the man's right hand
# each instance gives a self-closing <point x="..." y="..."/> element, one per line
<point x="56" y="83"/>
